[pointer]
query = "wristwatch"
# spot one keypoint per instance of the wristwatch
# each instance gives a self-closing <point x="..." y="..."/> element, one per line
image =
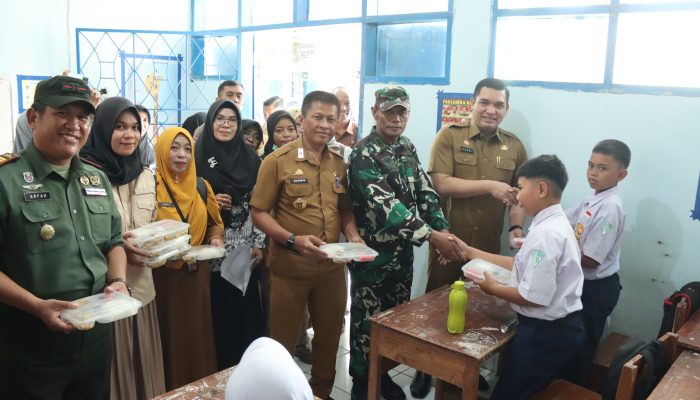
<point x="122" y="280"/>
<point x="290" y="241"/>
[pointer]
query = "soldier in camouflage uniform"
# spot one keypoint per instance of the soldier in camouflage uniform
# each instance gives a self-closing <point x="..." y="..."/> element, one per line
<point x="396" y="208"/>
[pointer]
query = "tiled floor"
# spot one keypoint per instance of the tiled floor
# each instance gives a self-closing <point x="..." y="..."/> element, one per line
<point x="402" y="374"/>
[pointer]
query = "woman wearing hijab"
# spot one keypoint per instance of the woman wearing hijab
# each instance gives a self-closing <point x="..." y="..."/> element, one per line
<point x="137" y="364"/>
<point x="231" y="166"/>
<point x="252" y="133"/>
<point x="184" y="298"/>
<point x="267" y="371"/>
<point x="281" y="129"/>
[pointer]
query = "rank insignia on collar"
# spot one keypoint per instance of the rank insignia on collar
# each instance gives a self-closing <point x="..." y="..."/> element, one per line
<point x="28" y="177"/>
<point x="94" y="180"/>
<point x="84" y="180"/>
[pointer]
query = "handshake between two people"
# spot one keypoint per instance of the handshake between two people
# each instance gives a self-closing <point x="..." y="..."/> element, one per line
<point x="449" y="247"/>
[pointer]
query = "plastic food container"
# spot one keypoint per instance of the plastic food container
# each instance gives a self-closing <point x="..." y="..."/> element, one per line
<point x="475" y="269"/>
<point x="153" y="234"/>
<point x="345" y="252"/>
<point x="100" y="308"/>
<point x="203" y="252"/>
<point x="517" y="242"/>
<point x="168" y="246"/>
<point x="159" y="261"/>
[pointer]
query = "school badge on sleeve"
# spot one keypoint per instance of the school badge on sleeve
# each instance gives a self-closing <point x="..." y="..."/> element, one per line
<point x="536" y="257"/>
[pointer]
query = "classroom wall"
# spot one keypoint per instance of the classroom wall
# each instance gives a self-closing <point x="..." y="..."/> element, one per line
<point x="662" y="243"/>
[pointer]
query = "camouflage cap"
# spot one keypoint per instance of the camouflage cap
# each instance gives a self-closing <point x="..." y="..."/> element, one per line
<point x="391" y="96"/>
<point x="61" y="90"/>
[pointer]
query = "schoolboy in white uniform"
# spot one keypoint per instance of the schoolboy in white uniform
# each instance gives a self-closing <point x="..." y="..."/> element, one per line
<point x="598" y="223"/>
<point x="545" y="289"/>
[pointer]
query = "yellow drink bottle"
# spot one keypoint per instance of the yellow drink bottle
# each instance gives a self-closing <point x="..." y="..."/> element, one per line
<point x="458" y="307"/>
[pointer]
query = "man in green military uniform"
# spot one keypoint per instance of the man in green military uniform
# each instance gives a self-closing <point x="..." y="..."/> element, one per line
<point x="60" y="240"/>
<point x="396" y="208"/>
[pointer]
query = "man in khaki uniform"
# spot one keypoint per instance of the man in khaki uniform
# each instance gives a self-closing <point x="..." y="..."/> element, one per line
<point x="473" y="166"/>
<point x="301" y="202"/>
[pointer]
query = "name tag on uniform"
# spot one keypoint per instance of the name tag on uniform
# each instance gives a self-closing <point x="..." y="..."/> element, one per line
<point x="300" y="180"/>
<point x="164" y="204"/>
<point x="92" y="191"/>
<point x="465" y="149"/>
<point x="37" y="196"/>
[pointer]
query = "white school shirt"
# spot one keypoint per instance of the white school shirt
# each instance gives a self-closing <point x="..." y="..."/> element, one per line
<point x="599" y="223"/>
<point x="547" y="269"/>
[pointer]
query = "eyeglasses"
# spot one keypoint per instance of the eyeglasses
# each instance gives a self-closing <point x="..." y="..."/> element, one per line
<point x="220" y="120"/>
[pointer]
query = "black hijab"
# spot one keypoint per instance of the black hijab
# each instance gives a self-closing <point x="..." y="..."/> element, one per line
<point x="230" y="167"/>
<point x="98" y="148"/>
<point x="194" y="121"/>
<point x="247" y="123"/>
<point x="272" y="122"/>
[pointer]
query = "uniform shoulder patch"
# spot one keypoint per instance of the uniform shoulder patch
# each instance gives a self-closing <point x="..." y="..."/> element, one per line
<point x="8" y="158"/>
<point x="509" y="134"/>
<point x="335" y="149"/>
<point x="90" y="162"/>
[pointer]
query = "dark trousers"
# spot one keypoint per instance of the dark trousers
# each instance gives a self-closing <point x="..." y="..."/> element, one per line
<point x="599" y="298"/>
<point x="541" y="352"/>
<point x="238" y="319"/>
<point x="38" y="364"/>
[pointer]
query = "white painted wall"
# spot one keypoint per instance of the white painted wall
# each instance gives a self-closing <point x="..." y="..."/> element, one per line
<point x="662" y="244"/>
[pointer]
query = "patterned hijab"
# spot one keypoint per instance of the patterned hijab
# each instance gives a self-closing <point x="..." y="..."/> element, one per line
<point x="183" y="188"/>
<point x="98" y="148"/>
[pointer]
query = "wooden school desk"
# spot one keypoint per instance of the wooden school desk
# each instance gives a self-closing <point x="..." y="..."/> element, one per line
<point x="210" y="387"/>
<point x="689" y="334"/>
<point x="681" y="381"/>
<point x="415" y="334"/>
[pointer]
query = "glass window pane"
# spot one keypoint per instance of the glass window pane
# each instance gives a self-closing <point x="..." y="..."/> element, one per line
<point x="293" y="62"/>
<point x="215" y="56"/>
<point x="267" y="12"/>
<point x="566" y="48"/>
<point x="657" y="56"/>
<point x="388" y="7"/>
<point x="656" y="1"/>
<point x="412" y="50"/>
<point x="215" y="14"/>
<point x="503" y="4"/>
<point x="324" y="9"/>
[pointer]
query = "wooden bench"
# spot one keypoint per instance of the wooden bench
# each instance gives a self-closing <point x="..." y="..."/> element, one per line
<point x="609" y="346"/>
<point x="635" y="366"/>
<point x="565" y="390"/>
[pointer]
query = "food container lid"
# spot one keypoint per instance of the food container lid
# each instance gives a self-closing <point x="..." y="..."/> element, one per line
<point x="475" y="269"/>
<point x="203" y="252"/>
<point x="101" y="307"/>
<point x="173" y="254"/>
<point x="166" y="247"/>
<point x="153" y="234"/>
<point x="344" y="252"/>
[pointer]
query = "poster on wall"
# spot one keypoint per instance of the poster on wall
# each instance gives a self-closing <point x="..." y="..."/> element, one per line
<point x="26" y="84"/>
<point x="452" y="108"/>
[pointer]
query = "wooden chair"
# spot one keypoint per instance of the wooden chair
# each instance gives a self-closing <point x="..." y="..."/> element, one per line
<point x="680" y="317"/>
<point x="565" y="390"/>
<point x="603" y="357"/>
<point x="635" y="366"/>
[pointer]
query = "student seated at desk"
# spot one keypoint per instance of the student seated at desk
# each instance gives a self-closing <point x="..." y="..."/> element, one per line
<point x="267" y="371"/>
<point x="545" y="287"/>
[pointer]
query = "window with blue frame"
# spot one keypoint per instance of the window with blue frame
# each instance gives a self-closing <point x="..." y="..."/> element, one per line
<point x="214" y="57"/>
<point x="623" y="45"/>
<point x="404" y="41"/>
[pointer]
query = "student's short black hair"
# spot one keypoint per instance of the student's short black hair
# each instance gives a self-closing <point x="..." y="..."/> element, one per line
<point x="548" y="167"/>
<point x="321" y="97"/>
<point x="143" y="109"/>
<point x="615" y="148"/>
<point x="229" y="82"/>
<point x="491" y="83"/>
